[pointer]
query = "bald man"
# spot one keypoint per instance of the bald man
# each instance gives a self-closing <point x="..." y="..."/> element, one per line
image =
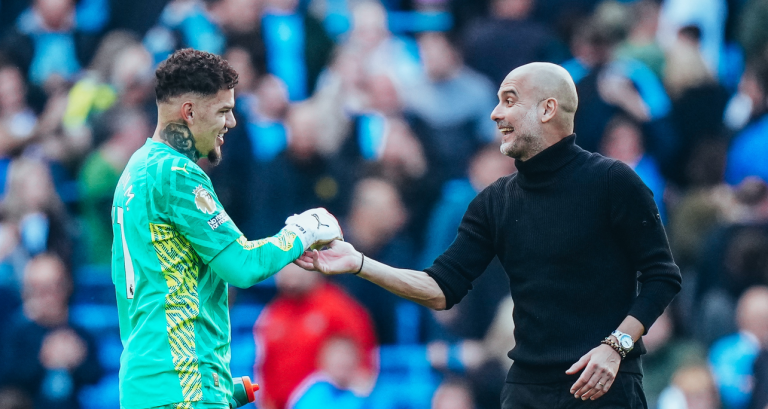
<point x="576" y="233"/>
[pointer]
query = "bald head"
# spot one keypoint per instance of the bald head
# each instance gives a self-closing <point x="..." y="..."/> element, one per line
<point x="537" y="104"/>
<point x="546" y="80"/>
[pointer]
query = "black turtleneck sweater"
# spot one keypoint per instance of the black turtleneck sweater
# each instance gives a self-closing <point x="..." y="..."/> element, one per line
<point x="575" y="232"/>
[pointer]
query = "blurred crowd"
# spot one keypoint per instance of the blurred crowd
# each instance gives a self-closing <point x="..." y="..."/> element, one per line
<point x="379" y="112"/>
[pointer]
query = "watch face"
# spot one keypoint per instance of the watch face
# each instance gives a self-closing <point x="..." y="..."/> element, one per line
<point x="626" y="342"/>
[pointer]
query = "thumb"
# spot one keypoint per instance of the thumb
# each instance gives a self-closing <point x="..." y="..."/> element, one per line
<point x="579" y="365"/>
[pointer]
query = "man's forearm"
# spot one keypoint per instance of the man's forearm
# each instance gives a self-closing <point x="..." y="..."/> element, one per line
<point x="413" y="285"/>
<point x="245" y="263"/>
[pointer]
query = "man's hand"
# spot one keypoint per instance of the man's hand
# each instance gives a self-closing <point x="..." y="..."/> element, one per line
<point x="600" y="365"/>
<point x="339" y="258"/>
<point x="315" y="227"/>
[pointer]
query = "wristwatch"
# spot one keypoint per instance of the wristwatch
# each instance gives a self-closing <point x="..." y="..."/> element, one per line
<point x="625" y="341"/>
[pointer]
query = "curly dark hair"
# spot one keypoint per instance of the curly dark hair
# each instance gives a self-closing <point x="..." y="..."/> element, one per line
<point x="190" y="70"/>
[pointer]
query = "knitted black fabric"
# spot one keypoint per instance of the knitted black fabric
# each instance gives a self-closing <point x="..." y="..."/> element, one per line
<point x="575" y="232"/>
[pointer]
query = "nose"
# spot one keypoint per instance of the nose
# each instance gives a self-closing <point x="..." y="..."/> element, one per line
<point x="231" y="121"/>
<point x="496" y="113"/>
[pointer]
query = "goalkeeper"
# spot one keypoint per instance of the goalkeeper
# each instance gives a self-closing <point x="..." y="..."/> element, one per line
<point x="175" y="248"/>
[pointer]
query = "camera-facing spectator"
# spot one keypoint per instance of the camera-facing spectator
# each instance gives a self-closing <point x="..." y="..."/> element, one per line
<point x="334" y="384"/>
<point x="45" y="354"/>
<point x="294" y="327"/>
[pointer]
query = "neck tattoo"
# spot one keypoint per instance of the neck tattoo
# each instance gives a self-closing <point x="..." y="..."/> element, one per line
<point x="179" y="137"/>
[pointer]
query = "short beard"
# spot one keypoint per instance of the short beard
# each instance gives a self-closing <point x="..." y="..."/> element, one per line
<point x="214" y="157"/>
<point x="526" y="144"/>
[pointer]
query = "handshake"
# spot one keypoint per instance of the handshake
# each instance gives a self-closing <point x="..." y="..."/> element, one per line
<point x="315" y="228"/>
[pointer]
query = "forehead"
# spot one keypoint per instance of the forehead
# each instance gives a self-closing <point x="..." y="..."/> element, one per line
<point x="225" y="97"/>
<point x="513" y="84"/>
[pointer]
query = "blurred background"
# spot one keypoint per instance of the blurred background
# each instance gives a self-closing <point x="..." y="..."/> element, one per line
<point x="379" y="112"/>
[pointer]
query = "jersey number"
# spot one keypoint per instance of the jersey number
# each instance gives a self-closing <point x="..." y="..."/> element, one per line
<point x="130" y="280"/>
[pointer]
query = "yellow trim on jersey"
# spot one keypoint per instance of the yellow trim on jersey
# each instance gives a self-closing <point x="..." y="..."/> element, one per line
<point x="180" y="266"/>
<point x="282" y="240"/>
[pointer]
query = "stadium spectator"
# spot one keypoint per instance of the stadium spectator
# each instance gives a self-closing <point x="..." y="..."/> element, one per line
<point x="693" y="387"/>
<point x="375" y="225"/>
<point x="698" y="105"/>
<point x="480" y="361"/>
<point x="339" y="367"/>
<point x="17" y="119"/>
<point x="297" y="46"/>
<point x="641" y="43"/>
<point x="708" y="15"/>
<point x="623" y="140"/>
<point x="33" y="216"/>
<point x="537" y="103"/>
<point x="608" y="85"/>
<point x="99" y="176"/>
<point x="732" y="358"/>
<point x="450" y="133"/>
<point x="509" y="38"/>
<point x="750" y="145"/>
<point x="379" y="49"/>
<point x="47" y="43"/>
<point x="668" y="351"/>
<point x="733" y="258"/>
<point x="45" y="354"/>
<point x="97" y="90"/>
<point x="292" y="330"/>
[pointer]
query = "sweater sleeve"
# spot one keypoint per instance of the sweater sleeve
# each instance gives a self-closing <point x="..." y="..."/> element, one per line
<point x="469" y="254"/>
<point x="636" y="223"/>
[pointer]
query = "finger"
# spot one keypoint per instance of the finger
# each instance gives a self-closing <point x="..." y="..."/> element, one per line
<point x="585" y="377"/>
<point x="579" y="365"/>
<point x="589" y="388"/>
<point x="592" y="387"/>
<point x="307" y="265"/>
<point x="316" y="262"/>
<point x="608" y="382"/>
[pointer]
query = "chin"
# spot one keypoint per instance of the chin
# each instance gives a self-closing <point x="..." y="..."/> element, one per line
<point x="214" y="156"/>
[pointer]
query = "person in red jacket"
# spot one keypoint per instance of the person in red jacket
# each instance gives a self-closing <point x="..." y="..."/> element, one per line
<point x="292" y="329"/>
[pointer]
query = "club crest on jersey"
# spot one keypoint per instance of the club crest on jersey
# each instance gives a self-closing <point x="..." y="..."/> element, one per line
<point x="204" y="201"/>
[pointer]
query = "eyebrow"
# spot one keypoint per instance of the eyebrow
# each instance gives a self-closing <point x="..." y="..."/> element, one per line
<point x="508" y="91"/>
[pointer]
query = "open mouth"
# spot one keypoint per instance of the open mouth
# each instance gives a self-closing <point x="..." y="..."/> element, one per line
<point x="506" y="130"/>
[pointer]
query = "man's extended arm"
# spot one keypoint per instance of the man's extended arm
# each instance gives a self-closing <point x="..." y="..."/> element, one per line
<point x="341" y="257"/>
<point x="244" y="263"/>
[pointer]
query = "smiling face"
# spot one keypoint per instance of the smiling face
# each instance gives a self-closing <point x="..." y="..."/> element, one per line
<point x="517" y="117"/>
<point x="212" y="118"/>
<point x="537" y="103"/>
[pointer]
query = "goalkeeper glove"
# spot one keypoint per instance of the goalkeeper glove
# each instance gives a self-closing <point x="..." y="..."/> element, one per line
<point x="315" y="228"/>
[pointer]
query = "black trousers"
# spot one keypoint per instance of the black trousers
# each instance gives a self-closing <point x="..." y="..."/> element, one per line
<point x="625" y="393"/>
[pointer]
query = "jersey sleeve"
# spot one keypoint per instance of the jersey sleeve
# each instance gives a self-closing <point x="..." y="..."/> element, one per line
<point x="192" y="207"/>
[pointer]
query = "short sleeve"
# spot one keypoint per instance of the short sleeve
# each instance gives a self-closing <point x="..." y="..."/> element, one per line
<point x="193" y="208"/>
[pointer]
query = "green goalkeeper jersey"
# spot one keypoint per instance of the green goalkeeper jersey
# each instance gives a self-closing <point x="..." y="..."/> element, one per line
<point x="168" y="225"/>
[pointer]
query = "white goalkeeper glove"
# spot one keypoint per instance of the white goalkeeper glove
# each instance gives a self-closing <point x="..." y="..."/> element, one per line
<point x="315" y="228"/>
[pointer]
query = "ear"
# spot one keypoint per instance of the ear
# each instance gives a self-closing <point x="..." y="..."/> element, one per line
<point x="548" y="109"/>
<point x="188" y="112"/>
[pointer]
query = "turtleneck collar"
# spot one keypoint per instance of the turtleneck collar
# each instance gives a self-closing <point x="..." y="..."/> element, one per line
<point x="541" y="168"/>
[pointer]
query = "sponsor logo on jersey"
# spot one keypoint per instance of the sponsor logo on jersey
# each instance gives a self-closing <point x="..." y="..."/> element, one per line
<point x="204" y="201"/>
<point x="218" y="220"/>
